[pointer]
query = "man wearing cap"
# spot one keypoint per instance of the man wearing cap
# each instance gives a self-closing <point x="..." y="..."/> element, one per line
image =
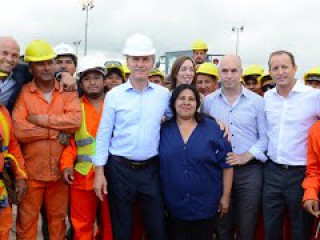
<point x="40" y="114"/>
<point x="76" y="160"/>
<point x="243" y="112"/>
<point x="312" y="77"/>
<point x="207" y="76"/>
<point x="157" y="77"/>
<point x="199" y="51"/>
<point x="127" y="144"/>
<point x="250" y="77"/>
<point x="114" y="74"/>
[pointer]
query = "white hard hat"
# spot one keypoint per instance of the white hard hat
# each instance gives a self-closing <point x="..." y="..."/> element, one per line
<point x="90" y="63"/>
<point x="64" y="49"/>
<point x="139" y="45"/>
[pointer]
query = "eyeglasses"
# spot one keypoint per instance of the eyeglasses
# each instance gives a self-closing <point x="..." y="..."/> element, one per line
<point x="112" y="64"/>
<point x="267" y="87"/>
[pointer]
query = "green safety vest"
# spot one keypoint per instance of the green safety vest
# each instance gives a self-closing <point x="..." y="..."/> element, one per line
<point x="86" y="147"/>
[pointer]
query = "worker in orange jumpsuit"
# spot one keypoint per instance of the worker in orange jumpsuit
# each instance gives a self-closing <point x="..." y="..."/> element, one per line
<point x="41" y="114"/>
<point x="10" y="156"/>
<point x="76" y="163"/>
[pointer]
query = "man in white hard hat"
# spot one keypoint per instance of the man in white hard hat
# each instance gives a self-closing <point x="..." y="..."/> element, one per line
<point x="127" y="144"/>
<point x="66" y="60"/>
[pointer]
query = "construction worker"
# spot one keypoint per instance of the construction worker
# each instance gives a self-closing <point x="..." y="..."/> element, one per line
<point x="128" y="142"/>
<point x="312" y="77"/>
<point x="266" y="82"/>
<point x="76" y="163"/>
<point x="42" y="112"/>
<point x="126" y="71"/>
<point x="199" y="50"/>
<point x="114" y="74"/>
<point x="250" y="77"/>
<point x="10" y="156"/>
<point x="207" y="76"/>
<point x="66" y="60"/>
<point x="157" y="77"/>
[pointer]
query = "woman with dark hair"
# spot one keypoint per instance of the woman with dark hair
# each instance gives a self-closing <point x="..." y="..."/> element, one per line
<point x="183" y="71"/>
<point x="196" y="181"/>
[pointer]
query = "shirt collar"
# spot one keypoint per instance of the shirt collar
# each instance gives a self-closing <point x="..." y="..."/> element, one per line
<point x="33" y="86"/>
<point x="298" y="87"/>
<point x="128" y="86"/>
<point x="244" y="91"/>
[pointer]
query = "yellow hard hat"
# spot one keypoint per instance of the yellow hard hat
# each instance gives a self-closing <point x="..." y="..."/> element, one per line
<point x="264" y="75"/>
<point x="39" y="50"/>
<point x="3" y="74"/>
<point x="312" y="71"/>
<point x="208" y="69"/>
<point x="199" y="45"/>
<point x="109" y="65"/>
<point x="126" y="69"/>
<point x="157" y="72"/>
<point x="254" y="69"/>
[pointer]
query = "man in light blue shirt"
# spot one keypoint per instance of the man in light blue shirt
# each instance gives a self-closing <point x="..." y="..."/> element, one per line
<point x="243" y="112"/>
<point x="127" y="145"/>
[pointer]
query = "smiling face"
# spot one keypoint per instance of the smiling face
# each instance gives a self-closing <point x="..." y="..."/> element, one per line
<point x="186" y="104"/>
<point x="186" y="73"/>
<point x="65" y="63"/>
<point x="9" y="54"/>
<point x="206" y="84"/>
<point x="140" y="67"/>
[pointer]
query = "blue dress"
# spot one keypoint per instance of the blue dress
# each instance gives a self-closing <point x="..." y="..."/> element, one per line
<point x="192" y="173"/>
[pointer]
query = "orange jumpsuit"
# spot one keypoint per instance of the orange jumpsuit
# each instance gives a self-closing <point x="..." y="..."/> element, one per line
<point x="83" y="200"/>
<point x="17" y="167"/>
<point x="42" y="150"/>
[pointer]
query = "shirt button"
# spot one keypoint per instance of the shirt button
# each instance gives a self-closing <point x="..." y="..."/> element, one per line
<point x="184" y="147"/>
<point x="231" y="123"/>
<point x="188" y="195"/>
<point x="232" y="135"/>
<point x="185" y="171"/>
<point x="233" y="147"/>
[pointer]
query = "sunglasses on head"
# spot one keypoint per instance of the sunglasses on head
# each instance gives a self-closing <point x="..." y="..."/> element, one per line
<point x="267" y="87"/>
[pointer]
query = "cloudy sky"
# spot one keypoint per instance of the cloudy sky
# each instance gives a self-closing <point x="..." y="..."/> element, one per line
<point x="173" y="25"/>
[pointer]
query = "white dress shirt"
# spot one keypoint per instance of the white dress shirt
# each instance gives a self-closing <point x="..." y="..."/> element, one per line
<point x="289" y="120"/>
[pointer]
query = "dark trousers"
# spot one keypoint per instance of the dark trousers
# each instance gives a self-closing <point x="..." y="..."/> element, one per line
<point x="246" y="201"/>
<point x="127" y="186"/>
<point x="282" y="191"/>
<point x="191" y="230"/>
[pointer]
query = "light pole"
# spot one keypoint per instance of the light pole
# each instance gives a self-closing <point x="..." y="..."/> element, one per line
<point x="86" y="6"/>
<point x="237" y="30"/>
<point x="76" y="44"/>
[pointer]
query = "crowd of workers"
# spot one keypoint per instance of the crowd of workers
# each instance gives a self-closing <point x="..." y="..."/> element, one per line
<point x="122" y="153"/>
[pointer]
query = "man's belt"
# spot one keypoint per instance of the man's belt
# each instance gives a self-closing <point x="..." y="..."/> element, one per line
<point x="131" y="164"/>
<point x="288" y="167"/>
<point x="251" y="162"/>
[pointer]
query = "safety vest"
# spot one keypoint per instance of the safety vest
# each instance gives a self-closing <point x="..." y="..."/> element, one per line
<point x="7" y="158"/>
<point x="86" y="147"/>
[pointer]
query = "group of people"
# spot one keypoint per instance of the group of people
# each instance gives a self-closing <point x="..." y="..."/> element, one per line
<point x="123" y="157"/>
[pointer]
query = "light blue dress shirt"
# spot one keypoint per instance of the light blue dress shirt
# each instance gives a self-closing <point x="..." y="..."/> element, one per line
<point x="6" y="89"/>
<point x="245" y="118"/>
<point x="130" y="122"/>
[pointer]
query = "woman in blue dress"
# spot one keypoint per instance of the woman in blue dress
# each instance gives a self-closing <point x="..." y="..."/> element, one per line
<point x="196" y="181"/>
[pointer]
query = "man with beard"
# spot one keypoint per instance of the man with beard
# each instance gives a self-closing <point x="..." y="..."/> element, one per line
<point x="199" y="49"/>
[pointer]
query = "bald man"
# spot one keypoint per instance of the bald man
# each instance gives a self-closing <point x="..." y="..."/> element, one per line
<point x="243" y="112"/>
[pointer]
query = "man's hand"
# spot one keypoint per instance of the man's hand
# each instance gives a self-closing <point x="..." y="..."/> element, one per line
<point x="100" y="183"/>
<point x="39" y="120"/>
<point x="224" y="205"/>
<point x="225" y="129"/>
<point x="68" y="83"/>
<point x="21" y="188"/>
<point x="68" y="175"/>
<point x="312" y="207"/>
<point x="241" y="159"/>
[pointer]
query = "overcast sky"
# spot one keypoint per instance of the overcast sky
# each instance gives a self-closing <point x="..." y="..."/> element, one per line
<point x="173" y="25"/>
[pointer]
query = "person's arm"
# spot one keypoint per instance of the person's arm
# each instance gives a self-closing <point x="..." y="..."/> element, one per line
<point x="227" y="187"/>
<point x="68" y="157"/>
<point x="25" y="131"/>
<point x="68" y="122"/>
<point x="311" y="183"/>
<point x="103" y="139"/>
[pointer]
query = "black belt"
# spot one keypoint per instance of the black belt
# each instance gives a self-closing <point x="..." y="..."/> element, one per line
<point x="286" y="166"/>
<point x="251" y="162"/>
<point x="136" y="164"/>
